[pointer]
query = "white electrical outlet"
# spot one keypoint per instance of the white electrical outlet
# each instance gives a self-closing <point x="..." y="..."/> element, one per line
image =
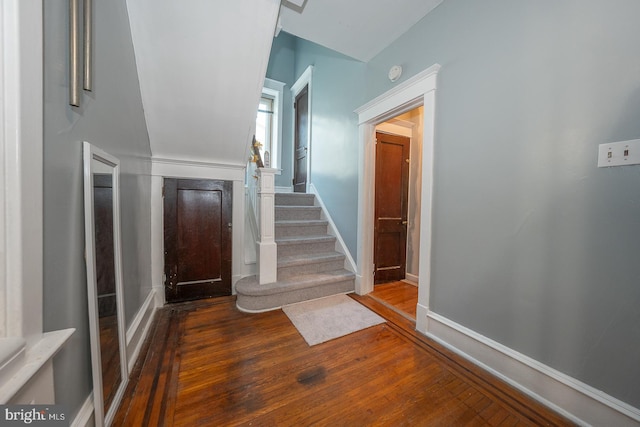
<point x="619" y="153"/>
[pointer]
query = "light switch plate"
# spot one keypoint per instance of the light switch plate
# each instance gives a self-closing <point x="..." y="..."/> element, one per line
<point x="619" y="153"/>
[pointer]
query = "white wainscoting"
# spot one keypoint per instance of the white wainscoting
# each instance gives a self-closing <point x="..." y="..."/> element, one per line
<point x="136" y="335"/>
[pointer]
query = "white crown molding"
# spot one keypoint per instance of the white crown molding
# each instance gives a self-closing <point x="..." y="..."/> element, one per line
<point x="182" y="168"/>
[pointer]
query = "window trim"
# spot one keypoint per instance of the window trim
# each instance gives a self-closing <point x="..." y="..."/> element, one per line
<point x="275" y="89"/>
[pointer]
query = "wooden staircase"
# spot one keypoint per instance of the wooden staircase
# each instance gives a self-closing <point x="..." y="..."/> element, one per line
<point x="309" y="266"/>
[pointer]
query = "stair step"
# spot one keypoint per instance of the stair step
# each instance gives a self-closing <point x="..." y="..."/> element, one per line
<point x="308" y="265"/>
<point x="291" y="228"/>
<point x="254" y="297"/>
<point x="305" y="245"/>
<point x="294" y="199"/>
<point x="302" y="264"/>
<point x="298" y="212"/>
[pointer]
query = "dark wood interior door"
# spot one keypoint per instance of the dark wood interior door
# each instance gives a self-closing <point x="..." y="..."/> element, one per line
<point x="391" y="204"/>
<point x="197" y="238"/>
<point x="301" y="141"/>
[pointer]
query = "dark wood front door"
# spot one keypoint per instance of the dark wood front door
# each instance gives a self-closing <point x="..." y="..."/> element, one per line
<point x="197" y="238"/>
<point x="391" y="202"/>
<point x="301" y="141"/>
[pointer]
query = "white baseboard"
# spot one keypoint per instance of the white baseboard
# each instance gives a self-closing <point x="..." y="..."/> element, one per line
<point x="570" y="397"/>
<point x="421" y="318"/>
<point x="136" y="334"/>
<point x="85" y="415"/>
<point x="139" y="328"/>
<point x="333" y="230"/>
<point x="284" y="189"/>
<point x="412" y="278"/>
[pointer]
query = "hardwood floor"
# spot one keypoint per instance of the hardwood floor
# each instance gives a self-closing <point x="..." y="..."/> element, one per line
<point x="401" y="295"/>
<point x="209" y="364"/>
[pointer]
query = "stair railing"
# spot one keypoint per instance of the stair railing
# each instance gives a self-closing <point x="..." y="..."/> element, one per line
<point x="262" y="198"/>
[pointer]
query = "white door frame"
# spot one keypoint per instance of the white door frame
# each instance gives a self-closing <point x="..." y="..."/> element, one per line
<point x="418" y="90"/>
<point x="304" y="80"/>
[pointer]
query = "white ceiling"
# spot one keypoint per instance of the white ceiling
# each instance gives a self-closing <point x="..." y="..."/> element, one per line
<point x="357" y="28"/>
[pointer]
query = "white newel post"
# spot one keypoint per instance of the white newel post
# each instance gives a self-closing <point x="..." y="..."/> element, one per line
<point x="267" y="249"/>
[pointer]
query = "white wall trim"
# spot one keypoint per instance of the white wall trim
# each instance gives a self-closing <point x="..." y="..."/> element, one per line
<point x="35" y="358"/>
<point x="157" y="239"/>
<point x="418" y="90"/>
<point x="400" y="98"/>
<point x="176" y="168"/>
<point x="21" y="144"/>
<point x="284" y="189"/>
<point x="85" y="414"/>
<point x="412" y="278"/>
<point x="276" y="89"/>
<point x="394" y="129"/>
<point x="341" y="247"/>
<point x="21" y="203"/>
<point x="572" y="398"/>
<point x="139" y="329"/>
<point x="137" y="333"/>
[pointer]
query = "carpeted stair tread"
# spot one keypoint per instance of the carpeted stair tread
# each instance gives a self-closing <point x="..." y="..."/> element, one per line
<point x="294" y="199"/>
<point x="304" y="259"/>
<point x="309" y="266"/>
<point x="301" y="222"/>
<point x="305" y="240"/>
<point x="249" y="285"/>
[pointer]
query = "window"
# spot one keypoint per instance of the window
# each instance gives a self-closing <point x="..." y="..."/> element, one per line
<point x="264" y="128"/>
<point x="269" y="122"/>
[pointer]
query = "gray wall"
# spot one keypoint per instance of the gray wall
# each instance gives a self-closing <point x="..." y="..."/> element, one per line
<point x="281" y="68"/>
<point x="337" y="90"/>
<point x="533" y="246"/>
<point x="111" y="117"/>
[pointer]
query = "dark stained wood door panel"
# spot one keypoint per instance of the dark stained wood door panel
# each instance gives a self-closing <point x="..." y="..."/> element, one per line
<point x="197" y="227"/>
<point x="301" y="141"/>
<point x="391" y="205"/>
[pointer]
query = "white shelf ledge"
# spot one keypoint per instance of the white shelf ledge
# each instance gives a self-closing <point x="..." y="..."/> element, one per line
<point x="23" y="362"/>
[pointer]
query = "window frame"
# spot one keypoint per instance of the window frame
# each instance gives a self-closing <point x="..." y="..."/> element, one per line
<point x="275" y="90"/>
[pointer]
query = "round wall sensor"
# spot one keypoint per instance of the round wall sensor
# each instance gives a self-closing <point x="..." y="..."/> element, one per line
<point x="395" y="72"/>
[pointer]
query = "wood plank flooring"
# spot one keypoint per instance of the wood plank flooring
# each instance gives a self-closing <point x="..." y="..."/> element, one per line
<point x="208" y="364"/>
<point x="401" y="295"/>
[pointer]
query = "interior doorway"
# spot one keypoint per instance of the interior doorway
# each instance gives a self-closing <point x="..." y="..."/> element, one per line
<point x="418" y="90"/>
<point x="301" y="140"/>
<point x="391" y="207"/>
<point x="197" y="238"/>
<point x="302" y="92"/>
<point x="406" y="189"/>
